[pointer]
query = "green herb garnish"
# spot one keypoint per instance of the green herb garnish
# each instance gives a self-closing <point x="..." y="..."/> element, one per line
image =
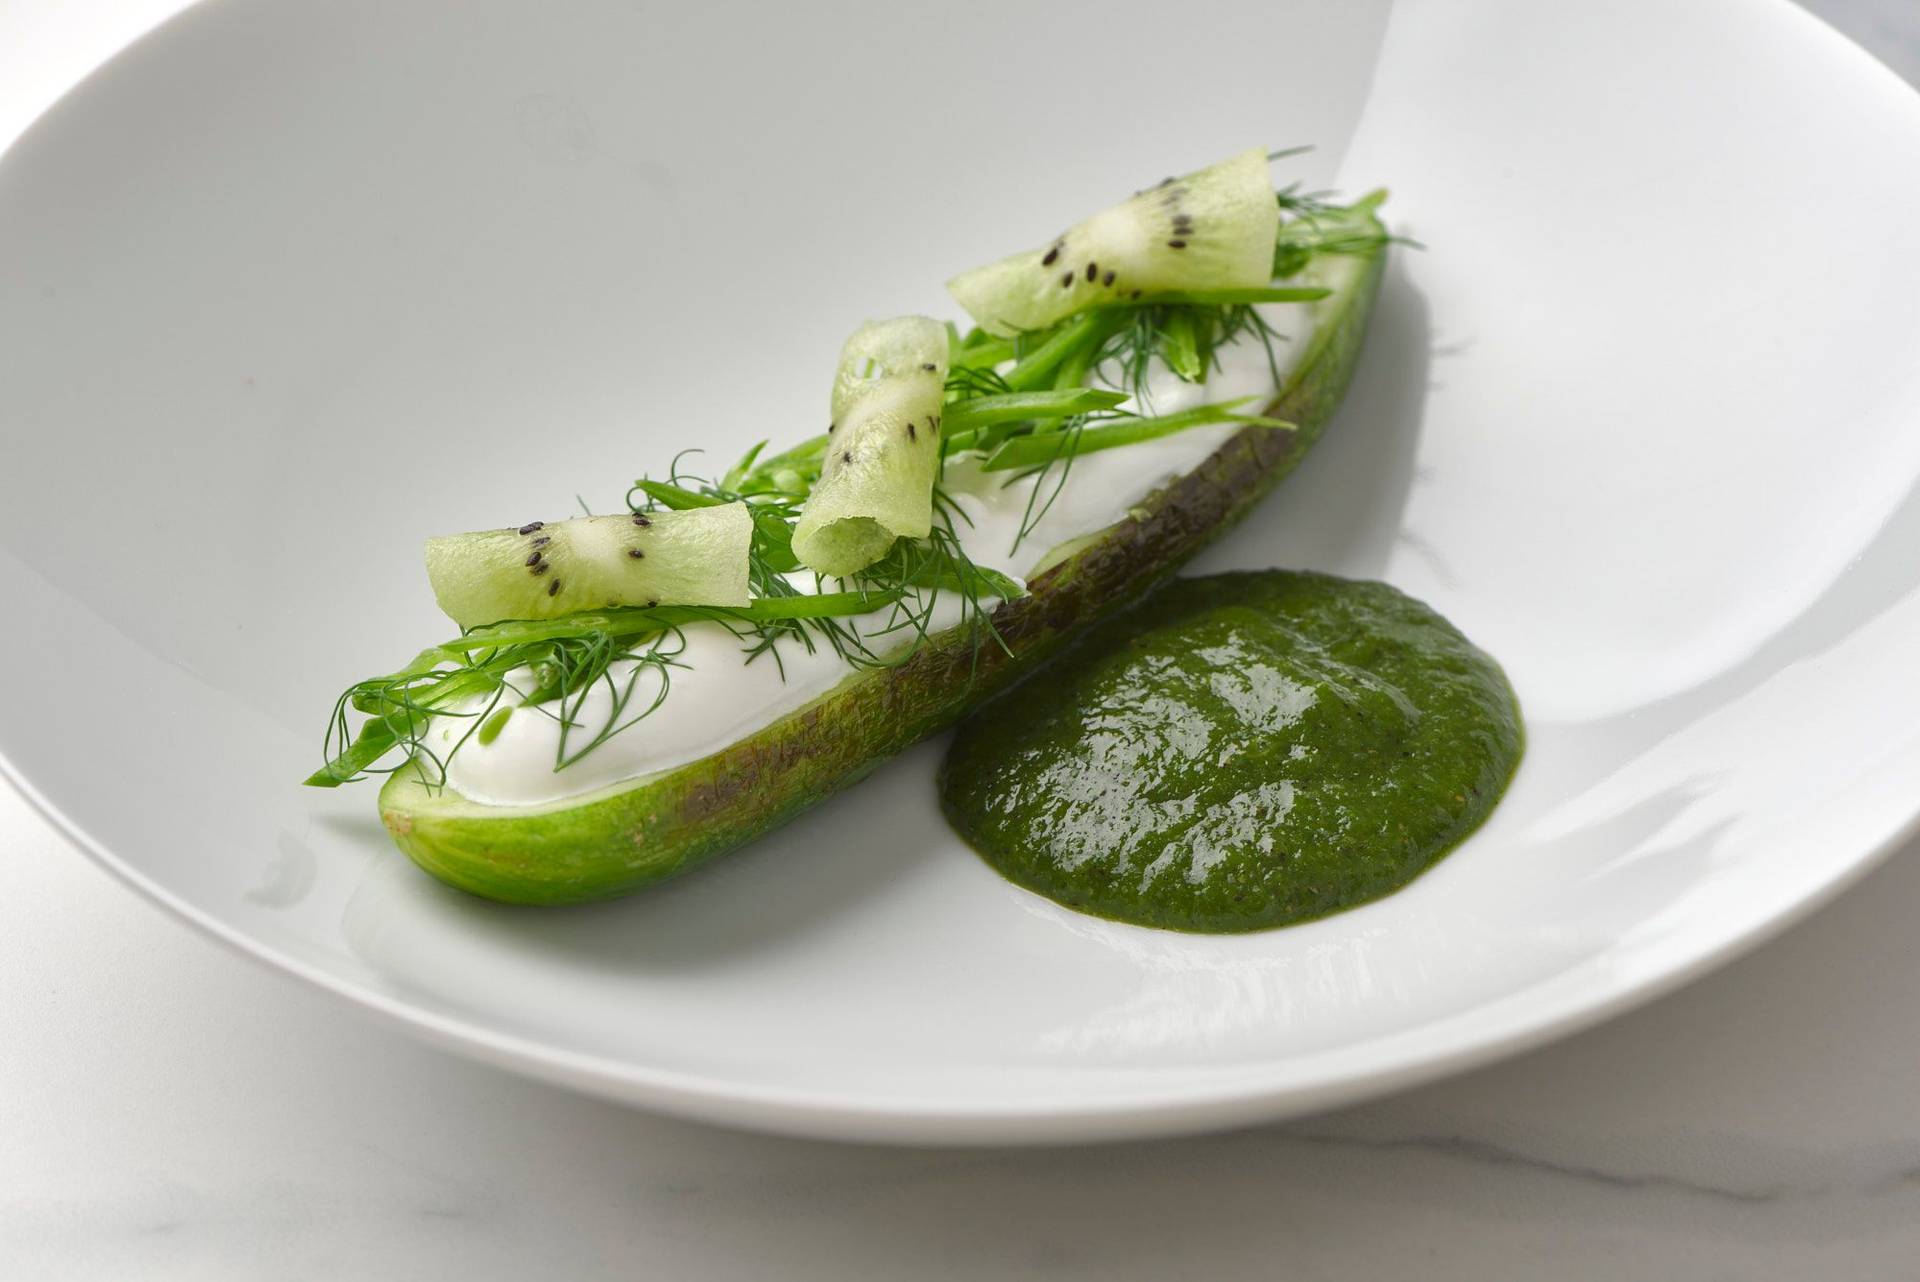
<point x="1026" y="404"/>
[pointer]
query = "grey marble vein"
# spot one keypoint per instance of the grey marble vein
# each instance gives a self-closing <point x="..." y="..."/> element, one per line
<point x="1483" y="1152"/>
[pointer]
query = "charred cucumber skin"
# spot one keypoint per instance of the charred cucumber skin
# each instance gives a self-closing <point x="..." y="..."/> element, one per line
<point x="635" y="834"/>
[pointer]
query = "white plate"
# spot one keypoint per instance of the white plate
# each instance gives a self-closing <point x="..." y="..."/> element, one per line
<point x="287" y="287"/>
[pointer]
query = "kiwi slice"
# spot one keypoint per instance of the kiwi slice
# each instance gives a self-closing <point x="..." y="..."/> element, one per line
<point x="883" y="447"/>
<point x="1213" y="229"/>
<point x="545" y="569"/>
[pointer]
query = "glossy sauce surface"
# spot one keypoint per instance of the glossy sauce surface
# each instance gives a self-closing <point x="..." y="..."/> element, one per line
<point x="1238" y="752"/>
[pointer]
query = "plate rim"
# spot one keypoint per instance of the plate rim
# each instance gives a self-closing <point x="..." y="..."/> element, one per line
<point x="1245" y="1099"/>
<point x="814" y="1114"/>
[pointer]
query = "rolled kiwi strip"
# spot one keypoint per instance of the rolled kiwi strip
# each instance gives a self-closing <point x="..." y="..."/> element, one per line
<point x="961" y="427"/>
<point x="877" y="472"/>
<point x="549" y="569"/>
<point x="1216" y="228"/>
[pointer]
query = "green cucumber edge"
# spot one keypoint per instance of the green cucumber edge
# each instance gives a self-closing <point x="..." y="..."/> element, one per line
<point x="645" y="830"/>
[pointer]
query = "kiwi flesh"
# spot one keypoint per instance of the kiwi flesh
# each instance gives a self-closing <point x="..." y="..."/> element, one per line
<point x="544" y="569"/>
<point x="883" y="447"/>
<point x="1213" y="229"/>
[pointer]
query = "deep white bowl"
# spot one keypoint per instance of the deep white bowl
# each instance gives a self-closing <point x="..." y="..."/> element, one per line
<point x="287" y="287"/>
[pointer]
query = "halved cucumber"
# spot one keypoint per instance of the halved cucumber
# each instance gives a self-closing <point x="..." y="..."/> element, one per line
<point x="627" y="836"/>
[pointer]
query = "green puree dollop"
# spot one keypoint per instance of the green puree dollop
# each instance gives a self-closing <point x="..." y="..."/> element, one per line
<point x="1238" y="752"/>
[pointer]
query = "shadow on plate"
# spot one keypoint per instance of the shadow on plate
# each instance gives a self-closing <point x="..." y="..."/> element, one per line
<point x="795" y="882"/>
<point x="1341" y="510"/>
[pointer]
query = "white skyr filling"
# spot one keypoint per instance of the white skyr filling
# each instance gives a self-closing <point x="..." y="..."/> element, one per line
<point x="716" y="699"/>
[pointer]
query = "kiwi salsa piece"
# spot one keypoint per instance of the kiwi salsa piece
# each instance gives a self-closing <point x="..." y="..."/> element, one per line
<point x="1213" y="229"/>
<point x="547" y="569"/>
<point x="638" y="832"/>
<point x="883" y="447"/>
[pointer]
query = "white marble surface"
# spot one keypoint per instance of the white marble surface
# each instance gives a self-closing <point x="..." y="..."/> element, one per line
<point x="168" y="1110"/>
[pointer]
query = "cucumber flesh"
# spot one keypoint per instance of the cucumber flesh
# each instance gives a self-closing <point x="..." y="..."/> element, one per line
<point x="883" y="448"/>
<point x="545" y="569"/>
<point x="639" y="832"/>
<point x="1213" y="229"/>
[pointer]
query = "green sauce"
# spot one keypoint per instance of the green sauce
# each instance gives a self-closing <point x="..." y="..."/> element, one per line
<point x="1239" y="752"/>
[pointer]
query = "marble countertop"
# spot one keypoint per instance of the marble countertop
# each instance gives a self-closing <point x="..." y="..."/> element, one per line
<point x="169" y="1110"/>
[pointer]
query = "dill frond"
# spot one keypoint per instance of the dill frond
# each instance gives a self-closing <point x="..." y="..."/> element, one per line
<point x="1026" y="405"/>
